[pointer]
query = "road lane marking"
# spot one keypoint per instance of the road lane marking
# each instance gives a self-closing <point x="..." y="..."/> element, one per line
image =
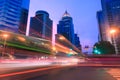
<point x="114" y="73"/>
<point x="28" y="71"/>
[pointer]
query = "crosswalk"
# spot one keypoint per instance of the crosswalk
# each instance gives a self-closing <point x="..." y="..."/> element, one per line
<point x="114" y="72"/>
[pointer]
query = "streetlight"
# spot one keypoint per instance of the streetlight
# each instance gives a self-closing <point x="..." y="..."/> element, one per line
<point x="112" y="32"/>
<point x="54" y="50"/>
<point x="5" y="38"/>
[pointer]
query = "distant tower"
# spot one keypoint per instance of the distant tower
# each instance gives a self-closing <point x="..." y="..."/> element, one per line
<point x="41" y="25"/>
<point x="11" y="14"/>
<point x="77" y="42"/>
<point x="66" y="27"/>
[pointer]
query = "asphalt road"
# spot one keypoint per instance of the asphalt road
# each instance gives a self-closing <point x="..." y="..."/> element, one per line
<point x="76" y="72"/>
<point x="96" y="70"/>
<point x="81" y="73"/>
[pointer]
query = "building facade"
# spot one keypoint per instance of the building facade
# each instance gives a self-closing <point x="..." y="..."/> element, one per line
<point x="111" y="11"/>
<point x="101" y="27"/>
<point x="10" y="14"/>
<point x="111" y="14"/>
<point x="77" y="42"/>
<point x="24" y="16"/>
<point x="66" y="27"/>
<point x="41" y="25"/>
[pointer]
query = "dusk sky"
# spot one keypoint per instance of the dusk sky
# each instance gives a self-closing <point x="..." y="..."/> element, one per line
<point x="83" y="13"/>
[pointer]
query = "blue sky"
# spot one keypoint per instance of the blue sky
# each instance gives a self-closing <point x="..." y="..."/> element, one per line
<point x="83" y="13"/>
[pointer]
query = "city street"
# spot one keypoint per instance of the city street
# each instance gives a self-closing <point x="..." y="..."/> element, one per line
<point x="47" y="71"/>
<point x="59" y="40"/>
<point x="81" y="73"/>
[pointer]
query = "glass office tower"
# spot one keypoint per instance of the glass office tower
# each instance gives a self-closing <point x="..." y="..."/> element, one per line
<point x="65" y="27"/>
<point x="10" y="14"/>
<point x="41" y="25"/>
<point x="111" y="15"/>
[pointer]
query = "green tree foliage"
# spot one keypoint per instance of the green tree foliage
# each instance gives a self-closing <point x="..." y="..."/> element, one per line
<point x="103" y="47"/>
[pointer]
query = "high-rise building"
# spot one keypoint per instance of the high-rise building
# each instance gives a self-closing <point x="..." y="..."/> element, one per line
<point x="66" y="27"/>
<point x="41" y="25"/>
<point x="10" y="14"/>
<point x="77" y="42"/>
<point x="111" y="11"/>
<point x="111" y="14"/>
<point x="24" y="16"/>
<point x="102" y="28"/>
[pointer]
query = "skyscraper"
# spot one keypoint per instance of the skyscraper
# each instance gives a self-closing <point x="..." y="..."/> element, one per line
<point x="24" y="16"/>
<point x="66" y="27"/>
<point x="111" y="11"/>
<point x="77" y="42"/>
<point x="102" y="28"/>
<point x="111" y="14"/>
<point x="10" y="14"/>
<point x="41" y="25"/>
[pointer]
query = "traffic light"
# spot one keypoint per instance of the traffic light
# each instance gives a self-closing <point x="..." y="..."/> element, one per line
<point x="69" y="54"/>
<point x="96" y="51"/>
<point x="99" y="52"/>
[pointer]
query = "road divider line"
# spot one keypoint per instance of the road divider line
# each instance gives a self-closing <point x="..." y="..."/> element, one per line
<point x="28" y="71"/>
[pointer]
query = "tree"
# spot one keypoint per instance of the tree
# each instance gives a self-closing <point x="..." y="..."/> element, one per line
<point x="103" y="47"/>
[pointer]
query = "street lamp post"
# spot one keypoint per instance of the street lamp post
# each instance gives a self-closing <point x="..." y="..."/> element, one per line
<point x="4" y="44"/>
<point x="112" y="32"/>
